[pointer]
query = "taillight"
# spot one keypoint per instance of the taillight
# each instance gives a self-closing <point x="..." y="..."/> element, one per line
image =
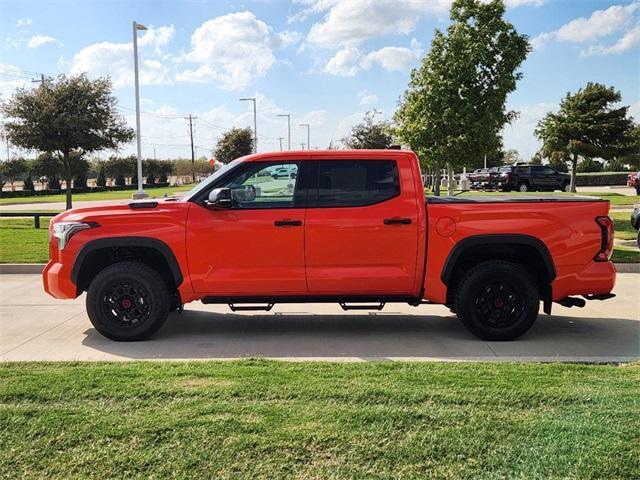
<point x="606" y="239"/>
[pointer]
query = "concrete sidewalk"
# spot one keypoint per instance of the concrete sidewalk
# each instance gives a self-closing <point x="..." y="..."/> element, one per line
<point x="34" y="326"/>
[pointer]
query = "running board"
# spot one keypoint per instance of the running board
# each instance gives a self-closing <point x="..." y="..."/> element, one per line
<point x="347" y="307"/>
<point x="250" y="308"/>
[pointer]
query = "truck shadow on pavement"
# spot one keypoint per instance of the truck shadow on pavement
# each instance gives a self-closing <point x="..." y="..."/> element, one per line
<point x="201" y="335"/>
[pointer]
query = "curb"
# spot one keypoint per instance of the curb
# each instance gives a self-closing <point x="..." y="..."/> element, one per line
<point x="24" y="268"/>
<point x="36" y="268"/>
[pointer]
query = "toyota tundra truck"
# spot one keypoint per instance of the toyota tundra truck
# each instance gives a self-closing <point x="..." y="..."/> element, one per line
<point x="349" y="227"/>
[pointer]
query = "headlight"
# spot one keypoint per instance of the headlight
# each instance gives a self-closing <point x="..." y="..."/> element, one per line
<point x="63" y="231"/>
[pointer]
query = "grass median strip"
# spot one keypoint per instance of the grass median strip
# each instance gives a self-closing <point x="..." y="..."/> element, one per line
<point x="259" y="419"/>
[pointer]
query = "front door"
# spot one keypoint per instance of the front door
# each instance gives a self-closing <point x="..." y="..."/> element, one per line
<point x="256" y="247"/>
<point x="362" y="229"/>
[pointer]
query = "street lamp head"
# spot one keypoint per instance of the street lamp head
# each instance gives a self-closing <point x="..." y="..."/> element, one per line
<point x="139" y="26"/>
<point x="252" y="99"/>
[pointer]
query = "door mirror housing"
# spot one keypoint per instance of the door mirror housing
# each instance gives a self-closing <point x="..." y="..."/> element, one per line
<point x="219" y="198"/>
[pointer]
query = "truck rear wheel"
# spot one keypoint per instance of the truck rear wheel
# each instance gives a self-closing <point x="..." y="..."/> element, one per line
<point x="128" y="301"/>
<point x="497" y="301"/>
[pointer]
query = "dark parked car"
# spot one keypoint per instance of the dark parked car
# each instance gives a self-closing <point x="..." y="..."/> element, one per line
<point x="635" y="222"/>
<point x="529" y="178"/>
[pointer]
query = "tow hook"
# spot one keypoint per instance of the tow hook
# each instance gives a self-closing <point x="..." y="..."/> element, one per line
<point x="571" y="302"/>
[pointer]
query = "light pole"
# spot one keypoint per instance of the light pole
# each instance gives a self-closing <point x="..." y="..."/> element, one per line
<point x="288" y="115"/>
<point x="255" y="122"/>
<point x="136" y="26"/>
<point x="308" y="134"/>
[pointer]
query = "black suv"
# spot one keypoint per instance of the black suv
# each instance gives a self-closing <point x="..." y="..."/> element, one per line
<point x="528" y="178"/>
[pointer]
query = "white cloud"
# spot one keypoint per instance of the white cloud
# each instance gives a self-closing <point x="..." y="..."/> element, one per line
<point x="287" y="38"/>
<point x="346" y="62"/>
<point x="353" y="21"/>
<point x="628" y="41"/>
<point x="231" y="50"/>
<point x="397" y="59"/>
<point x="38" y="40"/>
<point x="116" y="59"/>
<point x="315" y="118"/>
<point x="349" y="60"/>
<point x="519" y="134"/>
<point x="367" y="98"/>
<point x="601" y="23"/>
<point x="12" y="79"/>
<point x="24" y="22"/>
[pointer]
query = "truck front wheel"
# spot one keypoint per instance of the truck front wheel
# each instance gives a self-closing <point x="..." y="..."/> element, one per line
<point x="497" y="301"/>
<point x="128" y="301"/>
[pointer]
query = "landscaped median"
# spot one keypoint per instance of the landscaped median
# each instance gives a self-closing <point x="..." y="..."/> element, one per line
<point x="261" y="419"/>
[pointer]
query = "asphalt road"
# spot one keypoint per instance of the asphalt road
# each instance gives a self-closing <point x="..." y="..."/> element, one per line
<point x="34" y="326"/>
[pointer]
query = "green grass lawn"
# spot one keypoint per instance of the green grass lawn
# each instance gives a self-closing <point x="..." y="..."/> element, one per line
<point x="271" y="420"/>
<point x="622" y="225"/>
<point x="78" y="197"/>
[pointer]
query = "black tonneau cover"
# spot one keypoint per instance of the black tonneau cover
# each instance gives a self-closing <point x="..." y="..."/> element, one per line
<point x="512" y="199"/>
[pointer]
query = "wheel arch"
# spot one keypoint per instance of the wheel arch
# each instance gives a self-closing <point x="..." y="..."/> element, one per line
<point x="521" y="249"/>
<point x="97" y="254"/>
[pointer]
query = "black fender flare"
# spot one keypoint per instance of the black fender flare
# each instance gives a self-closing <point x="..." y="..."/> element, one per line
<point x="114" y="242"/>
<point x="497" y="239"/>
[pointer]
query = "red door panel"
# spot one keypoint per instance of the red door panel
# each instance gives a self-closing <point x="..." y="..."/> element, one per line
<point x="350" y="250"/>
<point x="242" y="252"/>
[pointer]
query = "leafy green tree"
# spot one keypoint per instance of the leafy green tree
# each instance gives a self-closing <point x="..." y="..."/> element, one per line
<point x="119" y="168"/>
<point x="233" y="144"/>
<point x="536" y="159"/>
<point x="66" y="116"/>
<point x="631" y="155"/>
<point x="589" y="165"/>
<point x="589" y="124"/>
<point x="369" y="134"/>
<point x="454" y="109"/>
<point x="510" y="157"/>
<point x="14" y="168"/>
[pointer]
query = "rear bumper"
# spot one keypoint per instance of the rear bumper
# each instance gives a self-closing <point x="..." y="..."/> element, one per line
<point x="56" y="278"/>
<point x="595" y="278"/>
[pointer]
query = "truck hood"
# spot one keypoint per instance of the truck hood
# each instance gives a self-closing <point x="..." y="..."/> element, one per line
<point x="119" y="211"/>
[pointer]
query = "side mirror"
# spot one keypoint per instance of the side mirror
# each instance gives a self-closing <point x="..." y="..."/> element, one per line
<point x="219" y="198"/>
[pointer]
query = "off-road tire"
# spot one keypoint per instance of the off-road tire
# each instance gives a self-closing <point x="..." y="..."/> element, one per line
<point x="516" y="314"/>
<point x="134" y="285"/>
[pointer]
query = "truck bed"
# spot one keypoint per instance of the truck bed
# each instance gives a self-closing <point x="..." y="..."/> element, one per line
<point x="512" y="199"/>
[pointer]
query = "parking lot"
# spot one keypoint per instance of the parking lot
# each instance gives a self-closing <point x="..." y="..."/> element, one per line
<point x="34" y="326"/>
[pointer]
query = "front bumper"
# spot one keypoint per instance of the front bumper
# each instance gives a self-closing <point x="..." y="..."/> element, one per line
<point x="56" y="278"/>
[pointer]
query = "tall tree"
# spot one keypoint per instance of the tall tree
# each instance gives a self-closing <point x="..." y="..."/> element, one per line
<point x="454" y="109"/>
<point x="14" y="168"/>
<point x="589" y="124"/>
<point x="369" y="134"/>
<point x="233" y="144"/>
<point x="66" y="116"/>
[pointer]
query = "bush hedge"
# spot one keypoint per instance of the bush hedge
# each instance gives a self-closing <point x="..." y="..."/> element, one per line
<point x="27" y="193"/>
<point x="601" y="178"/>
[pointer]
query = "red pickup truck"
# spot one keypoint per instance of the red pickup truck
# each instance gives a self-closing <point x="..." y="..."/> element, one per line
<point x="350" y="227"/>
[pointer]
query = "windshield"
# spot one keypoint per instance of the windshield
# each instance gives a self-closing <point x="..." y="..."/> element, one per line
<point x="211" y="178"/>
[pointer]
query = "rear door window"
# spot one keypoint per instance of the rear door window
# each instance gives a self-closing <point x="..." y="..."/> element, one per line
<point x="356" y="183"/>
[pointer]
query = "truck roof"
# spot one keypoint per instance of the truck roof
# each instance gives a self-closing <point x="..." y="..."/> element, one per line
<point x="318" y="154"/>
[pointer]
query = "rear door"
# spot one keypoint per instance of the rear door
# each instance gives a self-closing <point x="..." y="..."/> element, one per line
<point x="361" y="228"/>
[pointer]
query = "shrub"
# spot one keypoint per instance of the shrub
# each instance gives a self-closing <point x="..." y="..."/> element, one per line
<point x="601" y="178"/>
<point x="28" y="184"/>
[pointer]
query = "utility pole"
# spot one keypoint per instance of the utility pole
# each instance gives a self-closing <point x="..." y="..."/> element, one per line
<point x="280" y="140"/>
<point x="41" y="80"/>
<point x="193" y="154"/>
<point x="288" y="115"/>
<point x="255" y="122"/>
<point x="308" y="134"/>
<point x="136" y="26"/>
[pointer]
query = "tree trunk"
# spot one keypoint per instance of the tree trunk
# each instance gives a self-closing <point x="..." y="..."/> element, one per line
<point x="436" y="180"/>
<point x="67" y="179"/>
<point x="574" y="168"/>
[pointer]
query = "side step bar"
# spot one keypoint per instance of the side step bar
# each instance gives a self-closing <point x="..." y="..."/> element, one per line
<point x="250" y="308"/>
<point x="346" y="307"/>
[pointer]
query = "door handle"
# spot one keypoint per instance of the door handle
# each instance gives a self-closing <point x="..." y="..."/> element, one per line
<point x="397" y="221"/>
<point x="287" y="223"/>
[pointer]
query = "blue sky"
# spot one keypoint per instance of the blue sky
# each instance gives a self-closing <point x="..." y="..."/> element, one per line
<point x="325" y="62"/>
